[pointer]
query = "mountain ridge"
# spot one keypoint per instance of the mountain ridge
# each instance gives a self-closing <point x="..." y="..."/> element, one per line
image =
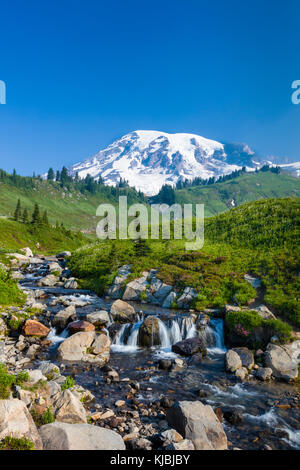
<point x="149" y="159"/>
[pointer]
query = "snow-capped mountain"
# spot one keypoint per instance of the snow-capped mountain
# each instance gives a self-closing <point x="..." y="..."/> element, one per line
<point x="150" y="159"/>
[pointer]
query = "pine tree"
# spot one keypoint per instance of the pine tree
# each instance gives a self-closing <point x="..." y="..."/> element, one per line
<point x="64" y="177"/>
<point x="36" y="219"/>
<point x="25" y="216"/>
<point x="50" y="176"/>
<point x="57" y="176"/>
<point x="45" y="220"/>
<point x="17" y="214"/>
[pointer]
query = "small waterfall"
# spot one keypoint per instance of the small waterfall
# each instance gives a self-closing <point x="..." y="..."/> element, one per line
<point x="175" y="333"/>
<point x="54" y="338"/>
<point x="132" y="340"/>
<point x="164" y="335"/>
<point x="177" y="329"/>
<point x="218" y="331"/>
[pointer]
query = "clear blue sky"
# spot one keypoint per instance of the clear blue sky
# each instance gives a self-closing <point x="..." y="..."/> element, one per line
<point x="80" y="74"/>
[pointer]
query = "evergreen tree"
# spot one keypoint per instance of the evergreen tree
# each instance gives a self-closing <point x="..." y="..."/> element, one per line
<point x="64" y="177"/>
<point x="57" y="176"/>
<point x="50" y="176"/>
<point x="141" y="247"/>
<point x="45" y="220"/>
<point x="36" y="219"/>
<point x="25" y="216"/>
<point x="17" y="214"/>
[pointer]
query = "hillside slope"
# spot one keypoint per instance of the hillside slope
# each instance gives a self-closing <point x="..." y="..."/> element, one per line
<point x="247" y="187"/>
<point x="77" y="210"/>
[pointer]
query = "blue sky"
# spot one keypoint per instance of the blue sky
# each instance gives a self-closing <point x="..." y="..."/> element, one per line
<point x="80" y="74"/>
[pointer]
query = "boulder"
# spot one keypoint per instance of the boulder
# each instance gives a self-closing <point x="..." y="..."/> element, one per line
<point x="198" y="423"/>
<point x="233" y="416"/>
<point x="71" y="283"/>
<point x="190" y="346"/>
<point x="99" y="319"/>
<point x="186" y="298"/>
<point x="263" y="373"/>
<point x="80" y="325"/>
<point x="74" y="347"/>
<point x="63" y="317"/>
<point x="281" y="363"/>
<point x="149" y="332"/>
<point x="54" y="267"/>
<point x="134" y="288"/>
<point x="62" y="436"/>
<point x="48" y="281"/>
<point x="246" y="357"/>
<point x="35" y="328"/>
<point x="264" y="312"/>
<point x="122" y="312"/>
<point x="101" y="345"/>
<point x="16" y="421"/>
<point x="35" y="376"/>
<point x="232" y="361"/>
<point x="27" y="251"/>
<point x="116" y="289"/>
<point x="159" y="291"/>
<point x="167" y="303"/>
<point x="241" y="373"/>
<point x="68" y="408"/>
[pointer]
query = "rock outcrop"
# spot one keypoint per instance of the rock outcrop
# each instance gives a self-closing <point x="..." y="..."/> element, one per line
<point x="62" y="436"/>
<point x="197" y="423"/>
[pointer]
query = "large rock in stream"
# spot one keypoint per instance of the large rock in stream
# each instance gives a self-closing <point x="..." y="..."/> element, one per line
<point x="35" y="328"/>
<point x="74" y="347"/>
<point x="149" y="332"/>
<point x="63" y="317"/>
<point x="190" y="346"/>
<point x="198" y="423"/>
<point x="281" y="361"/>
<point x="122" y="312"/>
<point x="62" y="436"/>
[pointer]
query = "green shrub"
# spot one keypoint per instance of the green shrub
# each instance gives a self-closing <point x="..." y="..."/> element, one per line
<point x="10" y="294"/>
<point x="13" y="443"/>
<point x="8" y="380"/>
<point x="68" y="383"/>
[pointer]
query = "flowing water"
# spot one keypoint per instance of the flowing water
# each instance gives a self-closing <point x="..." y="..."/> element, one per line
<point x="264" y="422"/>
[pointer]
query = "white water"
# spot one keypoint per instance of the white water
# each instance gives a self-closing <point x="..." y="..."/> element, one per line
<point x="54" y="338"/>
<point x="170" y="332"/>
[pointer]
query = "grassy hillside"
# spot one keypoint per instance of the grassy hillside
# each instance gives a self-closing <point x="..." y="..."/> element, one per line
<point x="65" y="204"/>
<point x="51" y="240"/>
<point x="245" y="188"/>
<point x="270" y="251"/>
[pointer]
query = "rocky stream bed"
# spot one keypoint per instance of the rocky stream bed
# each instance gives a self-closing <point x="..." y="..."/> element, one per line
<point x="140" y="370"/>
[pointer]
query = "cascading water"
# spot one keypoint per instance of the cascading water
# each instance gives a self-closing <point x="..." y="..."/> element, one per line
<point x="55" y="338"/>
<point x="170" y="332"/>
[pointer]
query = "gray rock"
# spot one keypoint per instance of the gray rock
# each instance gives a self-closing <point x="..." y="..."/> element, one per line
<point x="71" y="283"/>
<point x="190" y="346"/>
<point x="232" y="361"/>
<point x="263" y="373"/>
<point x="171" y="297"/>
<point x="134" y="288"/>
<point x="74" y="347"/>
<point x="264" y="312"/>
<point x="63" y="317"/>
<point x="99" y="318"/>
<point x="68" y="408"/>
<point x="62" y="436"/>
<point x="246" y="357"/>
<point x="48" y="281"/>
<point x="198" y="423"/>
<point x="16" y="421"/>
<point x="122" y="312"/>
<point x="281" y="363"/>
